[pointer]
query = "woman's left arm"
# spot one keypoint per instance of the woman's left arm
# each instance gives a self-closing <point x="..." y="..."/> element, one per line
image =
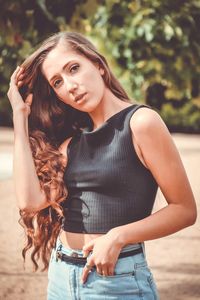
<point x="163" y="160"/>
<point x="159" y="154"/>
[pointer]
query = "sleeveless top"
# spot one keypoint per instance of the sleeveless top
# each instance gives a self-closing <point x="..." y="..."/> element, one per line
<point x="107" y="184"/>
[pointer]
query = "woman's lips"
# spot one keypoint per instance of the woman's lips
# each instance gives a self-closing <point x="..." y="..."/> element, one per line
<point x="79" y="97"/>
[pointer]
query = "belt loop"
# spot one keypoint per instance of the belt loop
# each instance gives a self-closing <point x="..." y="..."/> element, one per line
<point x="58" y="255"/>
<point x="143" y="248"/>
<point x="58" y="252"/>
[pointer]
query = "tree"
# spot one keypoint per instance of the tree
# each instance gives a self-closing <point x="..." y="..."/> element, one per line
<point x="24" y="24"/>
<point x="154" y="46"/>
<point x="157" y="46"/>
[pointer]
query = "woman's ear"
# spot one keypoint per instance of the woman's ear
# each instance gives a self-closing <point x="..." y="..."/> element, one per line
<point x="101" y="70"/>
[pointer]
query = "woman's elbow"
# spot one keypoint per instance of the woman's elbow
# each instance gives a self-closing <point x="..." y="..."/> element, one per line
<point x="27" y="208"/>
<point x="32" y="206"/>
<point x="32" y="209"/>
<point x="191" y="216"/>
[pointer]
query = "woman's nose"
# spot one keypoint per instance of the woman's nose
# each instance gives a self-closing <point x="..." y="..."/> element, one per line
<point x="71" y="86"/>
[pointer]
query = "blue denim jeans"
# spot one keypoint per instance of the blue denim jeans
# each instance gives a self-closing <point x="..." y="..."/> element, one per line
<point x="132" y="279"/>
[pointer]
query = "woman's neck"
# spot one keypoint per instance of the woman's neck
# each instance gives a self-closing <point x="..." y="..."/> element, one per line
<point x="108" y="106"/>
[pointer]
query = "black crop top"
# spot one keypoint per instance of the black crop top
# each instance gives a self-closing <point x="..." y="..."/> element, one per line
<point x="107" y="184"/>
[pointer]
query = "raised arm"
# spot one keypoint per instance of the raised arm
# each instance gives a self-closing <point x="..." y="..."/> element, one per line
<point x="29" y="195"/>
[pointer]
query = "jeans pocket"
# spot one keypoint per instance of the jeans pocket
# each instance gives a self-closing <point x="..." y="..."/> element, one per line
<point x="123" y="268"/>
<point x="116" y="275"/>
<point x="121" y="285"/>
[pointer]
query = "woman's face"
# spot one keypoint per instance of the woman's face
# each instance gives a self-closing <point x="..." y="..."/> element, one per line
<point x="74" y="78"/>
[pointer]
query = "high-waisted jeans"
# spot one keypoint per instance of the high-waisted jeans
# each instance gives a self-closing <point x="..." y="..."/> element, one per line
<point x="132" y="279"/>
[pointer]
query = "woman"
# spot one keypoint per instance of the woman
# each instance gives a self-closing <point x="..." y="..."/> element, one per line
<point x="87" y="164"/>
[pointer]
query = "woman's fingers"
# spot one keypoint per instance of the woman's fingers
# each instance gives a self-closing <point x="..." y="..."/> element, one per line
<point x="17" y="76"/>
<point x="14" y="75"/>
<point x="103" y="256"/>
<point x="20" y="75"/>
<point x="100" y="271"/>
<point x="14" y="96"/>
<point x="104" y="270"/>
<point x="86" y="271"/>
<point x="28" y="102"/>
<point x="110" y="270"/>
<point x="19" y="84"/>
<point x="29" y="99"/>
<point x="16" y="79"/>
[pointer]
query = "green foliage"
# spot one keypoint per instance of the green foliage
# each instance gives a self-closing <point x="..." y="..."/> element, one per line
<point x="157" y="41"/>
<point x="23" y="25"/>
<point x="153" y="46"/>
<point x="183" y="119"/>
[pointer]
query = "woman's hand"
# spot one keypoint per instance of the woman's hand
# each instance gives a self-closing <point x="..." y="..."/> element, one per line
<point x="105" y="251"/>
<point x="16" y="101"/>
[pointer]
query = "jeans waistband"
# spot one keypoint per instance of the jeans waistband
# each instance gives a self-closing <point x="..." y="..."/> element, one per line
<point x="79" y="252"/>
<point x="77" y="260"/>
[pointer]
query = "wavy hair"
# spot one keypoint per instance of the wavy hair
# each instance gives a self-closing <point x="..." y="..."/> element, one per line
<point x="51" y="122"/>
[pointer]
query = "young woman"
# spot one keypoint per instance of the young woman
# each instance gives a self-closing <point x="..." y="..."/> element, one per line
<point x="87" y="164"/>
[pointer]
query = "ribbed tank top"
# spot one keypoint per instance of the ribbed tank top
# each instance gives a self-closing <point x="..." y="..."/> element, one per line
<point x="107" y="184"/>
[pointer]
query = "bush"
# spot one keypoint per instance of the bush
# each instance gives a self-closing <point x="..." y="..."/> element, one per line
<point x="184" y="119"/>
<point x="153" y="46"/>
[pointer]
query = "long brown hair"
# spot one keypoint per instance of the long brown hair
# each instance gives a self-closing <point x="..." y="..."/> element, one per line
<point x="50" y="123"/>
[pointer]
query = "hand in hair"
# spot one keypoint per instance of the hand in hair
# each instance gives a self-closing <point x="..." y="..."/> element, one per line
<point x="14" y="96"/>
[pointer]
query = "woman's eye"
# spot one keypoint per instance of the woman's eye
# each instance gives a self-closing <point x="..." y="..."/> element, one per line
<point x="56" y="83"/>
<point x="74" y="68"/>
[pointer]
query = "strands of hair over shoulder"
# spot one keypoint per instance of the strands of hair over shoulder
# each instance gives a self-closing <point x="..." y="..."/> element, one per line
<point x="50" y="123"/>
<point x="42" y="227"/>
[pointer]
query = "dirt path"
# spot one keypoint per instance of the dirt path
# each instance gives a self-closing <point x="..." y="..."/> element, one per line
<point x="174" y="260"/>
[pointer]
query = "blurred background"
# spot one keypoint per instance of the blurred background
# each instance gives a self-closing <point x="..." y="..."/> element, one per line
<point x="153" y="48"/>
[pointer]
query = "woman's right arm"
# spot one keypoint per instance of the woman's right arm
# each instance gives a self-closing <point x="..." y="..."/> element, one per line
<point x="29" y="194"/>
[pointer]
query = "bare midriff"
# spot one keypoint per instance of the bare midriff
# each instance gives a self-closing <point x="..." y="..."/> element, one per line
<point x="76" y="240"/>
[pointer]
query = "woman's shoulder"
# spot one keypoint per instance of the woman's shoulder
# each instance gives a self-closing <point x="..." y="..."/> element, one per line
<point x="146" y="121"/>
<point x="150" y="135"/>
<point x="63" y="147"/>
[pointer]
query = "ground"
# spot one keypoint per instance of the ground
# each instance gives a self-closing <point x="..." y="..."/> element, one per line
<point x="174" y="260"/>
